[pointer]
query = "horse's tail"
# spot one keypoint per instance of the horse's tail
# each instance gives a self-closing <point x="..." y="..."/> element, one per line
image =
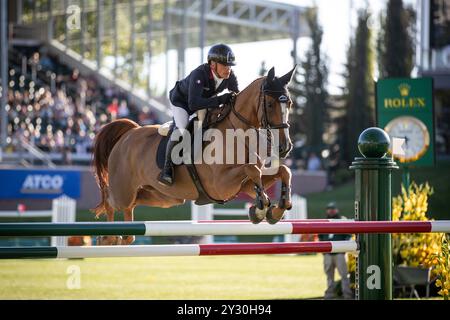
<point x="105" y="141"/>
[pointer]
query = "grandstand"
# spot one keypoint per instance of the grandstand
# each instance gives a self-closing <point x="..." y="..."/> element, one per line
<point x="54" y="108"/>
<point x="76" y="65"/>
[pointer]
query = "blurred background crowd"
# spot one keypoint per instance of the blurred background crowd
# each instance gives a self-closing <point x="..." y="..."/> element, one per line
<point x="56" y="109"/>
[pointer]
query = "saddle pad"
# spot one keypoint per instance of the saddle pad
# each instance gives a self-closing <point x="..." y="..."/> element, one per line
<point x="163" y="129"/>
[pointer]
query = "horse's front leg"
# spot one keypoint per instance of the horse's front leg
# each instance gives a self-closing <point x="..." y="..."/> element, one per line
<point x="257" y="213"/>
<point x="275" y="213"/>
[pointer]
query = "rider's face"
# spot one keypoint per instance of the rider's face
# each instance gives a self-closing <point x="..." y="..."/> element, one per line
<point x="222" y="70"/>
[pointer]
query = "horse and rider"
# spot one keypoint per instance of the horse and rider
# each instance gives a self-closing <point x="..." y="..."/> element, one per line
<point x="197" y="92"/>
<point x="125" y="154"/>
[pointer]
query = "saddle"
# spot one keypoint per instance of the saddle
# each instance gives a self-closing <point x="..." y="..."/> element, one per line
<point x="213" y="117"/>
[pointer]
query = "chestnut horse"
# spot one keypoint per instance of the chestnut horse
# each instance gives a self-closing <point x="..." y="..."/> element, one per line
<point x="127" y="172"/>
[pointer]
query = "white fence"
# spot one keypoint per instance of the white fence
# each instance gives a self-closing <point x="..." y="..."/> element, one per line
<point x="63" y="210"/>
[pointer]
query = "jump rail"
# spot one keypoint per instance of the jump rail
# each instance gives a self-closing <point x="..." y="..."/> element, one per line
<point x="177" y="250"/>
<point x="193" y="228"/>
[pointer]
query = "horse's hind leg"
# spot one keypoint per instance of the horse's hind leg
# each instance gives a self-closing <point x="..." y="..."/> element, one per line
<point x="128" y="216"/>
<point x="109" y="240"/>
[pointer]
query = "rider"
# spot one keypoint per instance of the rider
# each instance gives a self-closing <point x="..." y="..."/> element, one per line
<point x="198" y="91"/>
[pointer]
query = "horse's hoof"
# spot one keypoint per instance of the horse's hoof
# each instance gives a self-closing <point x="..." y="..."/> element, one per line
<point x="274" y="214"/>
<point x="109" y="240"/>
<point x="99" y="241"/>
<point x="255" y="215"/>
<point x="284" y="204"/>
<point x="127" y="240"/>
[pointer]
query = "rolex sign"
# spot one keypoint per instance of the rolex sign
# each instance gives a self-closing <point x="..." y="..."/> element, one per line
<point x="405" y="110"/>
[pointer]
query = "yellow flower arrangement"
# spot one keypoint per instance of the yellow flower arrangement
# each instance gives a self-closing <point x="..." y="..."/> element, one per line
<point x="351" y="266"/>
<point x="419" y="249"/>
<point x="441" y="263"/>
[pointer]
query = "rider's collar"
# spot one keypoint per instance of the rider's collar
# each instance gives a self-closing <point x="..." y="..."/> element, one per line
<point x="217" y="80"/>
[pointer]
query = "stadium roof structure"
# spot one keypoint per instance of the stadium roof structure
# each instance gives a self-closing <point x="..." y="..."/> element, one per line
<point x="237" y="20"/>
<point x="130" y="33"/>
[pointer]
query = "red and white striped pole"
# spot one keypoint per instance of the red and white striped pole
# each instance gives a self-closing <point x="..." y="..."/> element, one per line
<point x="177" y="250"/>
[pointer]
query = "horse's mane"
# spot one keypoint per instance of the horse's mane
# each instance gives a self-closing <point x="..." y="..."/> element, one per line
<point x="217" y="115"/>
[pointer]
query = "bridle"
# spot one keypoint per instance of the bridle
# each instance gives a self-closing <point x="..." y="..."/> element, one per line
<point x="264" y="122"/>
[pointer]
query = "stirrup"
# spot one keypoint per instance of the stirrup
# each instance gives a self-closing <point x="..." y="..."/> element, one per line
<point x="163" y="179"/>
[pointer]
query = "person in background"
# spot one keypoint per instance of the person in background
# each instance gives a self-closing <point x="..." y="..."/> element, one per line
<point x="113" y="108"/>
<point x="313" y="162"/>
<point x="123" y="111"/>
<point x="332" y="261"/>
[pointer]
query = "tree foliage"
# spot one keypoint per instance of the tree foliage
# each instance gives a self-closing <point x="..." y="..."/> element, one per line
<point x="359" y="91"/>
<point x="309" y="90"/>
<point x="395" y="44"/>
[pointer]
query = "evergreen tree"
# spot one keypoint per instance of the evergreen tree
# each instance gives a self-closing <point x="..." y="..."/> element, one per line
<point x="395" y="44"/>
<point x="359" y="94"/>
<point x="309" y="90"/>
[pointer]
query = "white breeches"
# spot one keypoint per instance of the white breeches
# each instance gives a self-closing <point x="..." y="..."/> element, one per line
<point x="181" y="117"/>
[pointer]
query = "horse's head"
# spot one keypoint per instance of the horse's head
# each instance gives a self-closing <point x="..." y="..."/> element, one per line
<point x="274" y="107"/>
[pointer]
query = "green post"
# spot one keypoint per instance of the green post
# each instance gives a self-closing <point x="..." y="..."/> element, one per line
<point x="373" y="203"/>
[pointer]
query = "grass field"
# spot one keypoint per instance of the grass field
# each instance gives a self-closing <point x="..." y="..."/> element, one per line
<point x="226" y="277"/>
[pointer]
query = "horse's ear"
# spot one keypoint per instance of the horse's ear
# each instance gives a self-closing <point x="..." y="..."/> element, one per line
<point x="287" y="77"/>
<point x="271" y="74"/>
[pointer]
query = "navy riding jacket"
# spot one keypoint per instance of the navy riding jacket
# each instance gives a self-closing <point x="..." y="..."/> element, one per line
<point x="198" y="90"/>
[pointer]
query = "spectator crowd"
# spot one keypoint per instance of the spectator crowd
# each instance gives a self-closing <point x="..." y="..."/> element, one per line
<point x="58" y="110"/>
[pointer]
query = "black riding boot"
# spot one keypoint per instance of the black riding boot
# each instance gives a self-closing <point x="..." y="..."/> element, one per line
<point x="166" y="175"/>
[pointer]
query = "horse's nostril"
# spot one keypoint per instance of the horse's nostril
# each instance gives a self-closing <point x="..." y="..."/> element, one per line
<point x="290" y="147"/>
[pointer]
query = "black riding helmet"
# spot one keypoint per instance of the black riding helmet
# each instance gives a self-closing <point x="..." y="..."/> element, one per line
<point x="221" y="53"/>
